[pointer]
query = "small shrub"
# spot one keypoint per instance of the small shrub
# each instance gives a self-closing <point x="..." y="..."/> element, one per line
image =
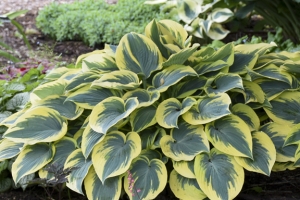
<point x="96" y="22"/>
<point x="129" y="111"/>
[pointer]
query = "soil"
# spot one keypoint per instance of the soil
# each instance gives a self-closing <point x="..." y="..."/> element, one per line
<point x="67" y="50"/>
<point x="279" y="186"/>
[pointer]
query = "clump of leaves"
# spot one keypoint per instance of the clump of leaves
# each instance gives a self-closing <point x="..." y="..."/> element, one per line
<point x="166" y="111"/>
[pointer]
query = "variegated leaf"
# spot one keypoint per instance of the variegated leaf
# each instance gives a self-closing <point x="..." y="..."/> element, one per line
<point x="285" y="108"/>
<point x="272" y="88"/>
<point x="220" y="15"/>
<point x="230" y="135"/>
<point x="9" y="149"/>
<point x="152" y="31"/>
<point x="81" y="80"/>
<point x="88" y="97"/>
<point x="208" y="109"/>
<point x="115" y="153"/>
<point x="138" y="54"/>
<point x="218" y="175"/>
<point x="170" y="76"/>
<point x="110" y="111"/>
<point x="242" y="62"/>
<point x="180" y="57"/>
<point x="264" y="154"/>
<point x="99" y="61"/>
<point x="89" y="139"/>
<point x="293" y="136"/>
<point x="253" y="93"/>
<point x="187" y="88"/>
<point x="79" y="169"/>
<point x="148" y="137"/>
<point x="120" y="80"/>
<point x="184" y="142"/>
<point x="56" y="73"/>
<point x="185" y="168"/>
<point x="63" y="148"/>
<point x="259" y="49"/>
<point x="10" y="120"/>
<point x="96" y="190"/>
<point x="217" y="32"/>
<point x="31" y="159"/>
<point x="185" y="188"/>
<point x="188" y="10"/>
<point x="223" y="83"/>
<point x="174" y="30"/>
<point x="278" y="134"/>
<point x="149" y="176"/>
<point x="145" y="97"/>
<point x="169" y="110"/>
<point x="247" y="114"/>
<point x="66" y="109"/>
<point x="142" y="118"/>
<point x="48" y="89"/>
<point x="39" y="124"/>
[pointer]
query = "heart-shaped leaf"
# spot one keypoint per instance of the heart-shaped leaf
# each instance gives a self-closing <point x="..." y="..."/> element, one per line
<point x="185" y="142"/>
<point x="149" y="178"/>
<point x="115" y="153"/>
<point x="169" y="110"/>
<point x="218" y="175"/>
<point x="230" y="134"/>
<point x="110" y="111"/>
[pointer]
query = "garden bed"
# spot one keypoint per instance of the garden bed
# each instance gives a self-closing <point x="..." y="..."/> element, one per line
<point x="279" y="186"/>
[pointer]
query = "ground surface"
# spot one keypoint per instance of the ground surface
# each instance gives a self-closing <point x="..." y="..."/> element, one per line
<point x="68" y="50"/>
<point x="279" y="186"/>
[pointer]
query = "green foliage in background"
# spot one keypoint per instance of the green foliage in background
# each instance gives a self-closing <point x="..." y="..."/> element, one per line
<point x="10" y="17"/>
<point x="14" y="95"/>
<point x="202" y="18"/>
<point x="278" y="38"/>
<point x="279" y="13"/>
<point x="129" y="111"/>
<point x="96" y="22"/>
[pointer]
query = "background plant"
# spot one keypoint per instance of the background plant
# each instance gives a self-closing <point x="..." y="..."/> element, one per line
<point x="16" y="83"/>
<point x="282" y="14"/>
<point x="96" y="22"/>
<point x="282" y="44"/>
<point x="10" y="17"/>
<point x="202" y="18"/>
<point x="155" y="101"/>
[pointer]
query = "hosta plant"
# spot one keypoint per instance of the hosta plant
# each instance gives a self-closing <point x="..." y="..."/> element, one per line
<point x="156" y="110"/>
<point x="201" y="18"/>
